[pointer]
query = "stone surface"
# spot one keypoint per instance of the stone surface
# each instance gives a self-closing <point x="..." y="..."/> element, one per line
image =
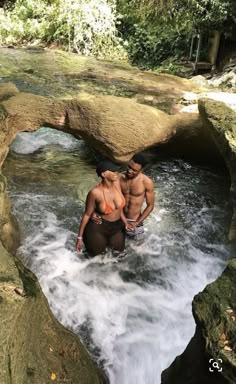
<point x="9" y="229"/>
<point x="220" y="120"/>
<point x="34" y="346"/>
<point x="225" y="80"/>
<point x="191" y="98"/>
<point x="214" y="311"/>
<point x="116" y="127"/>
<point x="67" y="75"/>
<point x="7" y="90"/>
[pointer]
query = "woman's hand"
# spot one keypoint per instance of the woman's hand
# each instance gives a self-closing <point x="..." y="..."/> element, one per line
<point x="131" y="226"/>
<point x="79" y="245"/>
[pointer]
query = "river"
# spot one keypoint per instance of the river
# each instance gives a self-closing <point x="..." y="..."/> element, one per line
<point x="133" y="312"/>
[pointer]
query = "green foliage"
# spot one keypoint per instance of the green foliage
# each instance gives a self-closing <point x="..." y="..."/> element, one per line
<point x="85" y="26"/>
<point x="205" y="14"/>
<point x="151" y="40"/>
<point x="150" y="31"/>
<point x="201" y="14"/>
<point x="154" y="30"/>
<point x="149" y="47"/>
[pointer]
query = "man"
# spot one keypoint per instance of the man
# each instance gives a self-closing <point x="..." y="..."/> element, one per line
<point x="136" y="188"/>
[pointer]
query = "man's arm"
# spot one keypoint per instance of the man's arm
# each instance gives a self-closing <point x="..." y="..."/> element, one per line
<point x="149" y="197"/>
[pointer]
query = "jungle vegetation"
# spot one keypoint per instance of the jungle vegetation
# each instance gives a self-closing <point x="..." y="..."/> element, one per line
<point x="148" y="32"/>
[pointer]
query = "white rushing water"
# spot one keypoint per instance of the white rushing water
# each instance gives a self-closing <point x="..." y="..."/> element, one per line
<point x="134" y="311"/>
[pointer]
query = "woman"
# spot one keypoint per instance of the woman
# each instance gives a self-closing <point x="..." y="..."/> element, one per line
<point x="107" y="200"/>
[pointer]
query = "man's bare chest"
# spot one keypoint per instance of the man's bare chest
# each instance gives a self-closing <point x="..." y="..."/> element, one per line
<point x="133" y="188"/>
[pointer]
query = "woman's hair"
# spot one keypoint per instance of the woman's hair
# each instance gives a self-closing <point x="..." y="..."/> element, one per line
<point x="106" y="166"/>
<point x="139" y="159"/>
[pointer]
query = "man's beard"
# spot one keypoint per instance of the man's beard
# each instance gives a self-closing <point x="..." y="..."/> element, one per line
<point x="130" y="176"/>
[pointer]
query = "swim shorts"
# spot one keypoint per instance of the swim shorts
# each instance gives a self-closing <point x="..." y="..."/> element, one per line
<point x="137" y="234"/>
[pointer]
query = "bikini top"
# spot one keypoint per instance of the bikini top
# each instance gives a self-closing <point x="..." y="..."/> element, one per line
<point x="108" y="208"/>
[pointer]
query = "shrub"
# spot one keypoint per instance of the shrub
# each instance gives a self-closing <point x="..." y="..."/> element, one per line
<point x="85" y="26"/>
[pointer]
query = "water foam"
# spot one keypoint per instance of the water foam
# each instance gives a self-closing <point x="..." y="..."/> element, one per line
<point x="30" y="142"/>
<point x="137" y="308"/>
<point x="133" y="312"/>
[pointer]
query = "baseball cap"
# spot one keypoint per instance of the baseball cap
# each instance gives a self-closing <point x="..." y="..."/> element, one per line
<point x="104" y="166"/>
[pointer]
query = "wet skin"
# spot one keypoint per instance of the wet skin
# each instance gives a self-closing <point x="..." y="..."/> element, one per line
<point x="136" y="188"/>
<point x="95" y="201"/>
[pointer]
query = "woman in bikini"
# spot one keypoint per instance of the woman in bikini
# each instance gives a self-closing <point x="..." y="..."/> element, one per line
<point x="107" y="200"/>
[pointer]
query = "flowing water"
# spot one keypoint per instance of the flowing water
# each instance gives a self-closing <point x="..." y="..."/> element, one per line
<point x="133" y="312"/>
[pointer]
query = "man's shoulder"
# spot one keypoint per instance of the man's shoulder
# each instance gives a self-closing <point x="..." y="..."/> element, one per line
<point x="148" y="182"/>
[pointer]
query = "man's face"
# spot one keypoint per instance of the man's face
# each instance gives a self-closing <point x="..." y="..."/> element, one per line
<point x="133" y="169"/>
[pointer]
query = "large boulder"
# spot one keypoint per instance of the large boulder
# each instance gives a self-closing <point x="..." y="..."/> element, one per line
<point x="214" y="311"/>
<point x="35" y="348"/>
<point x="220" y="121"/>
<point x="66" y="75"/>
<point x="116" y="127"/>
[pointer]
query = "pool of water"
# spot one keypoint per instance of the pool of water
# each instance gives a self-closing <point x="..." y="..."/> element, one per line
<point x="133" y="312"/>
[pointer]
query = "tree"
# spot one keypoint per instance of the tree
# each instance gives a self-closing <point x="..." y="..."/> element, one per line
<point x="200" y="14"/>
<point x="83" y="26"/>
<point x="156" y="30"/>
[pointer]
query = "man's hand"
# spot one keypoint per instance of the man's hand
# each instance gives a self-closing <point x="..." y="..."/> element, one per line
<point x="131" y="226"/>
<point x="96" y="218"/>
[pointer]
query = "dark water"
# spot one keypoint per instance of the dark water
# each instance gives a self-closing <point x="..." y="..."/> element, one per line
<point x="134" y="311"/>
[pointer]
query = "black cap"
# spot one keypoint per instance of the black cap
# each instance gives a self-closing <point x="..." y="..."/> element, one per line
<point x="104" y="166"/>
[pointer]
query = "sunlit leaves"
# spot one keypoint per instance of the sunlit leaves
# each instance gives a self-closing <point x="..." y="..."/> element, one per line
<point x="84" y="26"/>
<point x="202" y="14"/>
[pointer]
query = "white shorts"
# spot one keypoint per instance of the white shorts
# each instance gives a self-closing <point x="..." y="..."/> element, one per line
<point x="137" y="234"/>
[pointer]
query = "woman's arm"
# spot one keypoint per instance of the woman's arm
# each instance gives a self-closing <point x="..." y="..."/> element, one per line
<point x="89" y="208"/>
<point x="123" y="218"/>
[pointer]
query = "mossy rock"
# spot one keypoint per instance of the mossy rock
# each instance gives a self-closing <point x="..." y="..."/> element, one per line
<point x="7" y="90"/>
<point x="35" y="347"/>
<point x="222" y="117"/>
<point x="3" y="182"/>
<point x="214" y="311"/>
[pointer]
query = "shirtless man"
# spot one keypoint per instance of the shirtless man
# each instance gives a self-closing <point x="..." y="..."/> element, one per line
<point x="137" y="188"/>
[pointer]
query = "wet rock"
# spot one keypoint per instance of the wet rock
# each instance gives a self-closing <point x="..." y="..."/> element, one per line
<point x="214" y="327"/>
<point x="7" y="90"/>
<point x="116" y="127"/>
<point x="200" y="81"/>
<point x="225" y="80"/>
<point x="31" y="338"/>
<point x="220" y="121"/>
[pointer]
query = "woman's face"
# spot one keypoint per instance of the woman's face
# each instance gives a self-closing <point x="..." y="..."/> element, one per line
<point x="110" y="175"/>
